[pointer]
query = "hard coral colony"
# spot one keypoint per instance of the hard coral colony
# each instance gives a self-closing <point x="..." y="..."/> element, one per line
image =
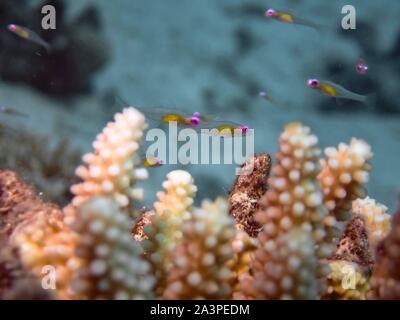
<point x="305" y="232"/>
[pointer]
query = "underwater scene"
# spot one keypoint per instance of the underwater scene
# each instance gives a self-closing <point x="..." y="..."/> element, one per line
<point x="199" y="149"/>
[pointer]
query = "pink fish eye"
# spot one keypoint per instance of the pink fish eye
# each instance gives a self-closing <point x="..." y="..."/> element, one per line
<point x="270" y="13"/>
<point x="244" y="129"/>
<point x="313" y="83"/>
<point x="262" y="94"/>
<point x="195" y="121"/>
<point x="12" y="27"/>
<point x="362" y="68"/>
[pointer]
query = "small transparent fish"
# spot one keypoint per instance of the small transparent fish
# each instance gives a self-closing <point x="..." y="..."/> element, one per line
<point x="289" y="18"/>
<point x="10" y="111"/>
<point x="272" y="100"/>
<point x="195" y="120"/>
<point x="362" y="67"/>
<point x="29" y="35"/>
<point x="334" y="90"/>
<point x="150" y="162"/>
<point x="168" y="115"/>
<point x="266" y="96"/>
<point x="226" y="128"/>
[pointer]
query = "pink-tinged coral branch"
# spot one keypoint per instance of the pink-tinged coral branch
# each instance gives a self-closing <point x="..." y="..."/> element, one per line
<point x="163" y="231"/>
<point x="110" y="169"/>
<point x="200" y="269"/>
<point x="111" y="265"/>
<point x="293" y="200"/>
<point x="345" y="170"/>
<point x="284" y="268"/>
<point x="36" y="231"/>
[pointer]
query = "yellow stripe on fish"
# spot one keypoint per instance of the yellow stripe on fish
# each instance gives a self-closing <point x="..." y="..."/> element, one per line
<point x="334" y="90"/>
<point x="289" y="18"/>
<point x="285" y="17"/>
<point x="168" y="118"/>
<point x="328" y="90"/>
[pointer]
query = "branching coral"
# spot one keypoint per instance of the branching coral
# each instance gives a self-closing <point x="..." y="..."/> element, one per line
<point x="284" y="268"/>
<point x="282" y="246"/>
<point x="377" y="221"/>
<point x="111" y="262"/>
<point x="110" y="169"/>
<point x="344" y="172"/>
<point x="293" y="202"/>
<point x="247" y="190"/>
<point x="43" y="239"/>
<point x="243" y="246"/>
<point x="35" y="230"/>
<point x="385" y="281"/>
<point x="351" y="264"/>
<point x="164" y="231"/>
<point x="294" y="198"/>
<point x="199" y="261"/>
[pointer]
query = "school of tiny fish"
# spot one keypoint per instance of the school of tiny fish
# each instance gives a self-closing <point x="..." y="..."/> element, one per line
<point x="198" y="121"/>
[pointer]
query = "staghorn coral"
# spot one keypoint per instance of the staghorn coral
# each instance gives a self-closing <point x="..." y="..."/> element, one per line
<point x="193" y="253"/>
<point x="385" y="280"/>
<point x="164" y="232"/>
<point x="35" y="230"/>
<point x="250" y="185"/>
<point x="200" y="261"/>
<point x="344" y="172"/>
<point x="111" y="262"/>
<point x="48" y="166"/>
<point x="43" y="239"/>
<point x="110" y="169"/>
<point x="283" y="268"/>
<point x="294" y="198"/>
<point x="242" y="245"/>
<point x="376" y="219"/>
<point x="16" y="281"/>
<point x="351" y="264"/>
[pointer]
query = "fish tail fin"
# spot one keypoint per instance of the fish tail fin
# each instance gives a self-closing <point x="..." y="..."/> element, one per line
<point x="370" y="100"/>
<point x="119" y="102"/>
<point x="311" y="24"/>
<point x="49" y="48"/>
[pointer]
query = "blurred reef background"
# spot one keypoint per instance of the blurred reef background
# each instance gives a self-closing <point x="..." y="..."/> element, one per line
<point x="208" y="56"/>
